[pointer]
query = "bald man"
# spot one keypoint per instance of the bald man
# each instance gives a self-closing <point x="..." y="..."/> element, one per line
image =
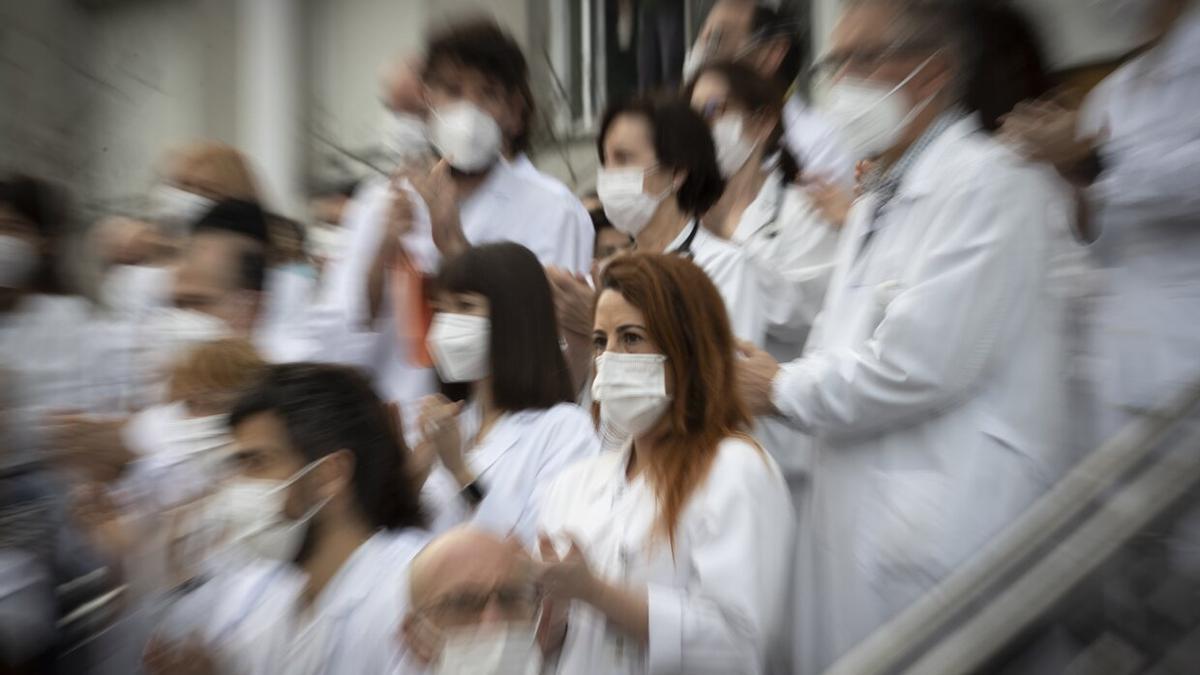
<point x="473" y="606"/>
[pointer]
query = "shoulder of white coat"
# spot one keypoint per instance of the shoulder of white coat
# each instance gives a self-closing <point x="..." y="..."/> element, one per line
<point x="580" y="476"/>
<point x="548" y="195"/>
<point x="570" y="418"/>
<point x="743" y="466"/>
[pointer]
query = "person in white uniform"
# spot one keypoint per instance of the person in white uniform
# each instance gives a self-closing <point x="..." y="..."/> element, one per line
<point x="1136" y="160"/>
<point x="494" y="331"/>
<point x="44" y="341"/>
<point x="674" y="553"/>
<point x="930" y="379"/>
<point x="762" y="210"/>
<point x="757" y="33"/>
<point x="658" y="177"/>
<point x="474" y="606"/>
<point x="321" y="500"/>
<point x="473" y="75"/>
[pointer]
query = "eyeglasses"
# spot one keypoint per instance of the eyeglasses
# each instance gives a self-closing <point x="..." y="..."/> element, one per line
<point x="467" y="608"/>
<point x="866" y="61"/>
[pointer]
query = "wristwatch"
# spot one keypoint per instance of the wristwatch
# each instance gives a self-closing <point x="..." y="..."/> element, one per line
<point x="473" y="493"/>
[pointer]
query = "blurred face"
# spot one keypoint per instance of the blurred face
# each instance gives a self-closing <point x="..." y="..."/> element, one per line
<point x="206" y="280"/>
<point x="727" y="30"/>
<point x="620" y="327"/>
<point x="711" y="98"/>
<point x="865" y="47"/>
<point x="450" y="83"/>
<point x="630" y="145"/>
<point x="471" y="304"/>
<point x="611" y="241"/>
<point x="488" y="585"/>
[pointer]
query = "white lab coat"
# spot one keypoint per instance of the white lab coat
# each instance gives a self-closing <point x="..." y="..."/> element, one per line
<point x="283" y="332"/>
<point x="515" y="463"/>
<point x="509" y="206"/>
<point x="51" y="363"/>
<point x="794" y="249"/>
<point x="716" y="605"/>
<point x="931" y="382"/>
<point x="1144" y="334"/>
<point x="248" y="618"/>
<point x="816" y="143"/>
<point x="733" y="273"/>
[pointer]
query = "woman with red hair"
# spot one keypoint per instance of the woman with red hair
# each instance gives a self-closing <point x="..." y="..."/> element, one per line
<point x="673" y="553"/>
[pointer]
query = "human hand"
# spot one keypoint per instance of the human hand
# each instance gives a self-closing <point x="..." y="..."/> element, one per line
<point x="566" y="578"/>
<point x="756" y="372"/>
<point x="440" y="194"/>
<point x="573" y="300"/>
<point x="830" y="200"/>
<point x="90" y="445"/>
<point x="439" y="426"/>
<point x="552" y="629"/>
<point x="1044" y="131"/>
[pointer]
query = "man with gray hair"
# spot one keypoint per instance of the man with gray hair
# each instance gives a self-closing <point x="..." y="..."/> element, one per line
<point x="932" y="379"/>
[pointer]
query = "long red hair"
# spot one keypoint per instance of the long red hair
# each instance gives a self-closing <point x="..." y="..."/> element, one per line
<point x="686" y="317"/>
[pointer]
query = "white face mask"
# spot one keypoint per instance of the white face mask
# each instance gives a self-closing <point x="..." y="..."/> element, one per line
<point x="461" y="346"/>
<point x="406" y="137"/>
<point x="632" y="392"/>
<point x="467" y="137"/>
<point x="253" y="515"/>
<point x="872" y="116"/>
<point x="18" y="260"/>
<point x="175" y="209"/>
<point x="627" y="206"/>
<point x="732" y="147"/>
<point x="492" y="650"/>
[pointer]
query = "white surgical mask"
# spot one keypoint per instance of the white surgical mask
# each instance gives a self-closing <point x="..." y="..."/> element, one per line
<point x="510" y="649"/>
<point x="467" y="137"/>
<point x="176" y="209"/>
<point x="18" y="260"/>
<point x="872" y="116"/>
<point x="732" y="147"/>
<point x="253" y="515"/>
<point x="632" y="392"/>
<point x="626" y="205"/>
<point x="406" y="137"/>
<point x="461" y="346"/>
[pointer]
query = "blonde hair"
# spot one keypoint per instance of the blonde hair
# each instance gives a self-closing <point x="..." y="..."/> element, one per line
<point x="217" y="169"/>
<point x="215" y="373"/>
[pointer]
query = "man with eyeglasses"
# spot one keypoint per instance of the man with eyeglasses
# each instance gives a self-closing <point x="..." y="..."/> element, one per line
<point x="473" y="606"/>
<point x="767" y="39"/>
<point x="933" y="380"/>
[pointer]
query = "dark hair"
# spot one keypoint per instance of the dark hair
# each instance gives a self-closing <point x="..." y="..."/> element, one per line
<point x="771" y="25"/>
<point x="326" y="408"/>
<point x="1005" y="61"/>
<point x="682" y="141"/>
<point x="238" y="217"/>
<point x="757" y="95"/>
<point x="252" y="271"/>
<point x="528" y="368"/>
<point x="43" y="204"/>
<point x="480" y="44"/>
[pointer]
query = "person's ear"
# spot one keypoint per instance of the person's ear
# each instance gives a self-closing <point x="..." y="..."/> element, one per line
<point x="340" y="468"/>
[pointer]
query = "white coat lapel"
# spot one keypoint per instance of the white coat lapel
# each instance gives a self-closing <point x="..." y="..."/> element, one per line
<point x="501" y="438"/>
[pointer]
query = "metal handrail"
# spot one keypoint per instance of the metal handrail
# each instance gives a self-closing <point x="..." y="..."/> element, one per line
<point x="894" y="644"/>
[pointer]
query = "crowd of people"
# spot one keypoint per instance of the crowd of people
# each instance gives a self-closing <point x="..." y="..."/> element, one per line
<point x="788" y="367"/>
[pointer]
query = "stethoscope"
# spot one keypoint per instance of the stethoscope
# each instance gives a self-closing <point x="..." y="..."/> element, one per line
<point x="685" y="248"/>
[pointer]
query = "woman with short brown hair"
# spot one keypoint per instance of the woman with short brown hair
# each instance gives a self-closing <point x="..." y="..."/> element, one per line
<point x="676" y="550"/>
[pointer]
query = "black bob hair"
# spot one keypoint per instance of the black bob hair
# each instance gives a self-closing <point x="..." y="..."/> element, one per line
<point x="682" y="142"/>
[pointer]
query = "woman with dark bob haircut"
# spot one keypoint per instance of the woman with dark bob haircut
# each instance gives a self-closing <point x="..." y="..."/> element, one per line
<point x="494" y="330"/>
<point x="658" y="177"/>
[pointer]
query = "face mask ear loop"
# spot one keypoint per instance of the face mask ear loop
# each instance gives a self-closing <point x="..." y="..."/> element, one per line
<point x="897" y="88"/>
